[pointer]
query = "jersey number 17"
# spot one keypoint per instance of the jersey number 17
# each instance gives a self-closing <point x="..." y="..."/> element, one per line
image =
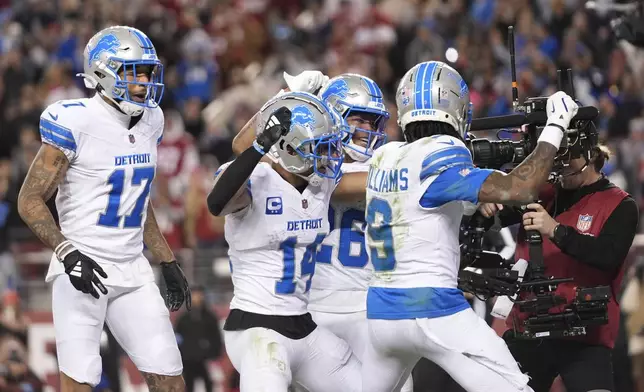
<point x="141" y="177"/>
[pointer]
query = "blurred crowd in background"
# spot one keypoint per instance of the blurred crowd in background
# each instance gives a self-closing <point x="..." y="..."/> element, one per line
<point x="224" y="58"/>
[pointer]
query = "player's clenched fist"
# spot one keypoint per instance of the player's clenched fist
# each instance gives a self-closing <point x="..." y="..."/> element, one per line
<point x="561" y="108"/>
<point x="81" y="269"/>
<point x="177" y="289"/>
<point x="307" y="81"/>
<point x="277" y="126"/>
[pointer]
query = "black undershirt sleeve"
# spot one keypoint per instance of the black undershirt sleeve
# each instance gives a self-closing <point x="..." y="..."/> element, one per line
<point x="233" y="178"/>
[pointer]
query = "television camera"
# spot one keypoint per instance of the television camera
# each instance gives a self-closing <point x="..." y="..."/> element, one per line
<point x="486" y="274"/>
<point x="528" y="121"/>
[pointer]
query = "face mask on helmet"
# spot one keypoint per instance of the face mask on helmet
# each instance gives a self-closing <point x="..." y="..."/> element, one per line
<point x="325" y="155"/>
<point x="365" y="133"/>
<point x="138" y="82"/>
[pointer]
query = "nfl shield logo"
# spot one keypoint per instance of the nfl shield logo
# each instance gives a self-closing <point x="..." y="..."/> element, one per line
<point x="132" y="140"/>
<point x="305" y="204"/>
<point x="584" y="222"/>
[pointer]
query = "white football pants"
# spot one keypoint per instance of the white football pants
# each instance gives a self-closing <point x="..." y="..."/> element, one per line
<point x="269" y="362"/>
<point x="352" y="328"/>
<point x="137" y="317"/>
<point x="462" y="344"/>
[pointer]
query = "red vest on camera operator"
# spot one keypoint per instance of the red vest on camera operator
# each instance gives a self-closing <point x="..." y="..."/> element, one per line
<point x="587" y="216"/>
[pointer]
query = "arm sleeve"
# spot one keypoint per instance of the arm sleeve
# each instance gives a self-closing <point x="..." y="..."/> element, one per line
<point x="225" y="165"/>
<point x="455" y="177"/>
<point x="57" y="132"/>
<point x="608" y="250"/>
<point x="231" y="180"/>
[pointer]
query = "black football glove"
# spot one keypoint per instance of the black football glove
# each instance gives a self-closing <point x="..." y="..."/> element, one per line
<point x="277" y="126"/>
<point x="177" y="289"/>
<point x="82" y="273"/>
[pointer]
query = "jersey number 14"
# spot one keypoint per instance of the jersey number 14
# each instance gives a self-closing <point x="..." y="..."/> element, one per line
<point x="141" y="177"/>
<point x="288" y="284"/>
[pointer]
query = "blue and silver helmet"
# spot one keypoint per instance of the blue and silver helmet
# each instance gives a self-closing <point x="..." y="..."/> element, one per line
<point x="352" y="94"/>
<point x="313" y="147"/>
<point x="114" y="58"/>
<point x="434" y="91"/>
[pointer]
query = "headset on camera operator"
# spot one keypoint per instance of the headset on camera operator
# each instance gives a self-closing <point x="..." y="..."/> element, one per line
<point x="587" y="226"/>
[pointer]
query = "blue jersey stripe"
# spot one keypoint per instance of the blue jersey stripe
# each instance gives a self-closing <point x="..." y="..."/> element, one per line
<point x="455" y="184"/>
<point x="386" y="303"/>
<point x="418" y="86"/>
<point x="56" y="128"/>
<point x="443" y="159"/>
<point x="52" y="138"/>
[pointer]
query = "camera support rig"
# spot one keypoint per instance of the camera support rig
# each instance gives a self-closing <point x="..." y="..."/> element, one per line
<point x="486" y="273"/>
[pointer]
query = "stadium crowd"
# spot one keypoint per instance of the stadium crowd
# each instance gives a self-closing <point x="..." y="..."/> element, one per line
<point x="224" y="58"/>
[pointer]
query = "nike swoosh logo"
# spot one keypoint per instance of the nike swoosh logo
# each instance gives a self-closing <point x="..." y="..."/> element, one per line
<point x="53" y="117"/>
<point x="451" y="142"/>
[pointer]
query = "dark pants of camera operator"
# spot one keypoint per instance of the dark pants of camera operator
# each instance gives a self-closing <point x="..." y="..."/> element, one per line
<point x="588" y="239"/>
<point x="582" y="367"/>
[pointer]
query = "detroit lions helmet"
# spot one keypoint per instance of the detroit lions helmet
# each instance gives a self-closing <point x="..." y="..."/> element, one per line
<point x="434" y="91"/>
<point x="313" y="147"/>
<point x="112" y="54"/>
<point x="350" y="94"/>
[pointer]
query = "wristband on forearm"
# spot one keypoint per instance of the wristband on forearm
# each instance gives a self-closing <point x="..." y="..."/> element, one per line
<point x="63" y="249"/>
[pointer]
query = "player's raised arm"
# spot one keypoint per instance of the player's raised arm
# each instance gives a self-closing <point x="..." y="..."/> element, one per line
<point x="229" y="192"/>
<point x="246" y="136"/>
<point x="46" y="172"/>
<point x="307" y="81"/>
<point x="521" y="185"/>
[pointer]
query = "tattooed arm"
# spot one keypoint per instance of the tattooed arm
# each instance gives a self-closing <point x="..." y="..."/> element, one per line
<point x="154" y="239"/>
<point x="246" y="135"/>
<point x="521" y="185"/>
<point x="46" y="172"/>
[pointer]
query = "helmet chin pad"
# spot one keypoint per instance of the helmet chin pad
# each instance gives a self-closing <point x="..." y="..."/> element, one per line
<point x="354" y="152"/>
<point x="129" y="108"/>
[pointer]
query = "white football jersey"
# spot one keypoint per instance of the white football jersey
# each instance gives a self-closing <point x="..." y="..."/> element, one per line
<point x="342" y="269"/>
<point x="102" y="200"/>
<point x="416" y="196"/>
<point x="273" y="243"/>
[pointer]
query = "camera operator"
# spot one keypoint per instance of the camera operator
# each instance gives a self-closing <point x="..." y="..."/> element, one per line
<point x="587" y="225"/>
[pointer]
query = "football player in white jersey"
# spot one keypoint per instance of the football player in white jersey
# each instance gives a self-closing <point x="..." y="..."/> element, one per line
<point x="416" y="195"/>
<point x="276" y="218"/>
<point x="338" y="299"/>
<point x="100" y="153"/>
